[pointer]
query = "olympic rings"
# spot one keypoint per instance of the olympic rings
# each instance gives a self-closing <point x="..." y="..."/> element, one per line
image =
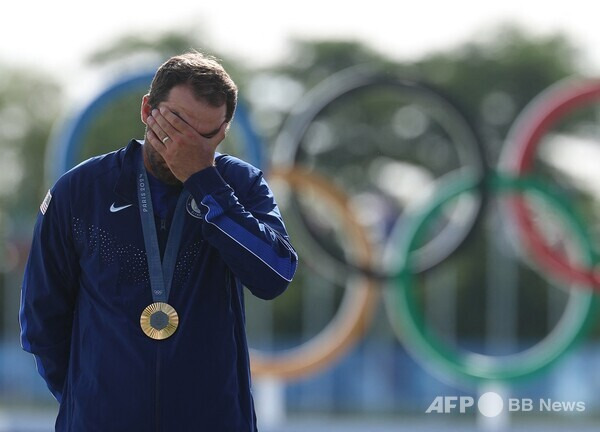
<point x="358" y="304"/>
<point x="409" y="325"/>
<point x="361" y="295"/>
<point x="431" y="102"/>
<point x="517" y="159"/>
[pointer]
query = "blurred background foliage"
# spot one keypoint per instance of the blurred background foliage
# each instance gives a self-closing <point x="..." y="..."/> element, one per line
<point x="492" y="79"/>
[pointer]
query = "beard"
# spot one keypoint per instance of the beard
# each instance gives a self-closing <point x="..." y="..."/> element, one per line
<point x="158" y="166"/>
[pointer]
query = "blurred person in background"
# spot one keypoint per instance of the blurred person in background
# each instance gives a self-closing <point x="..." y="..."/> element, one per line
<point x="132" y="299"/>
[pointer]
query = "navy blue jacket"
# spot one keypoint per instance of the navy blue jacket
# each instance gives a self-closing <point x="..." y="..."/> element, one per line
<point x="86" y="284"/>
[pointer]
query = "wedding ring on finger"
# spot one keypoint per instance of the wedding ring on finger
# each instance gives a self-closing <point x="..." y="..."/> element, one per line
<point x="165" y="139"/>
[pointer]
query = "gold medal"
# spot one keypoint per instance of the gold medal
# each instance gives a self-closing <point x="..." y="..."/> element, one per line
<point x="159" y="320"/>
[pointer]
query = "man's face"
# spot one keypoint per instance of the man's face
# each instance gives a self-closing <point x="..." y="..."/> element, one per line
<point x="205" y="119"/>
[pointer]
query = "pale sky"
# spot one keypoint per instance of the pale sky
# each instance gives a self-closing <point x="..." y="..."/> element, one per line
<point x="55" y="35"/>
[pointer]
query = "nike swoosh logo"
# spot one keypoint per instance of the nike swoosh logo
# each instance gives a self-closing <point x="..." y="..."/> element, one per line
<point x="114" y="209"/>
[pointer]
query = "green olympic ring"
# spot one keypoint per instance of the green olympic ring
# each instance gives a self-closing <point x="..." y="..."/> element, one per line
<point x="455" y="363"/>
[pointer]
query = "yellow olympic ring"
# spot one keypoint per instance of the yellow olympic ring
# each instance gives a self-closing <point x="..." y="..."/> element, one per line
<point x="358" y="305"/>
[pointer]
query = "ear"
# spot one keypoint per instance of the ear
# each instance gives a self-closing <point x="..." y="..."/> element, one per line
<point x="146" y="108"/>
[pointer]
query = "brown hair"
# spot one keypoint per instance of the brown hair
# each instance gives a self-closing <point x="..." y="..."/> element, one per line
<point x="203" y="73"/>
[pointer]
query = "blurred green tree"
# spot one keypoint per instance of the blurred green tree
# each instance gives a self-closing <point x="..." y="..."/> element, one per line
<point x="494" y="77"/>
<point x="29" y="105"/>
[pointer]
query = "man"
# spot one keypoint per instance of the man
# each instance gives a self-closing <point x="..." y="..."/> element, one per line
<point x="132" y="300"/>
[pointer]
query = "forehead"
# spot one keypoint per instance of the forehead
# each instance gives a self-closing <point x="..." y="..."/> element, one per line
<point x="197" y="113"/>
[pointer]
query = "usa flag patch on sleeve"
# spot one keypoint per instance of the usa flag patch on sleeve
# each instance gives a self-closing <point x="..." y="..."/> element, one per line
<point x="46" y="203"/>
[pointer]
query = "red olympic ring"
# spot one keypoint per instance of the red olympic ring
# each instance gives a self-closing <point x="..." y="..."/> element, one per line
<point x="517" y="159"/>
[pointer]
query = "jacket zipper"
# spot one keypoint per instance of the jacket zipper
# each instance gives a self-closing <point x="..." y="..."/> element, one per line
<point x="157" y="390"/>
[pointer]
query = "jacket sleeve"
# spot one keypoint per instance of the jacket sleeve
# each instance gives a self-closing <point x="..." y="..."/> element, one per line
<point x="248" y="232"/>
<point x="49" y="290"/>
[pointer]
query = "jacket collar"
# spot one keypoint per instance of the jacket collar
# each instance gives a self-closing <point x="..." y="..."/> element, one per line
<point x="125" y="187"/>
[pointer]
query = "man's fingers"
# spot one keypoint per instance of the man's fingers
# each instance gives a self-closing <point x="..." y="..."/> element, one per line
<point x="155" y="141"/>
<point x="158" y="131"/>
<point x="164" y="123"/>
<point x="173" y="120"/>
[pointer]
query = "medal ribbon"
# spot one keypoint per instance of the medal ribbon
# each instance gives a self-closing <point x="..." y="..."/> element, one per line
<point x="161" y="273"/>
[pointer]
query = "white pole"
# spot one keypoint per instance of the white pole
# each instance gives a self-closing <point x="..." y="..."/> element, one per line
<point x="269" y="400"/>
